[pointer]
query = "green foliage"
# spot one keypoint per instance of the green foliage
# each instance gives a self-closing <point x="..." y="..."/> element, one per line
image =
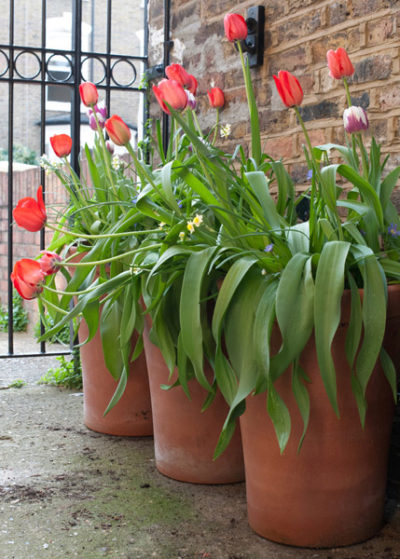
<point x="18" y="383"/>
<point x="68" y="374"/>
<point x="20" y="315"/>
<point x="21" y="154"/>
<point x="62" y="336"/>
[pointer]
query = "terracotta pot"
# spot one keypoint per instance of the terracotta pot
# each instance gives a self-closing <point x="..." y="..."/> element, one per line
<point x="184" y="437"/>
<point x="332" y="492"/>
<point x="131" y="416"/>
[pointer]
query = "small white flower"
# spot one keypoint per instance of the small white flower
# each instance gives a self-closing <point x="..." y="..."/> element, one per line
<point x="116" y="162"/>
<point x="225" y="131"/>
<point x="182" y="235"/>
<point x="161" y="224"/>
<point x="198" y="220"/>
<point x="190" y="226"/>
<point x="263" y="272"/>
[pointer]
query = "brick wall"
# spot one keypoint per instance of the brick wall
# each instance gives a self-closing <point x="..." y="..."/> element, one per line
<point x="297" y="35"/>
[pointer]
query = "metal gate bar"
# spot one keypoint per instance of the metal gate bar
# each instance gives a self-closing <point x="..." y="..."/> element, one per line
<point x="43" y="78"/>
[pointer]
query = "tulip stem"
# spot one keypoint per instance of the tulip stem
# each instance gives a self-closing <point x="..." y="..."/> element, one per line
<point x="364" y="156"/>
<point x="106" y="154"/>
<point x="66" y="263"/>
<point x="102" y="236"/>
<point x="53" y="306"/>
<point x="216" y="128"/>
<point x="196" y="121"/>
<point x="317" y="173"/>
<point x="346" y="87"/>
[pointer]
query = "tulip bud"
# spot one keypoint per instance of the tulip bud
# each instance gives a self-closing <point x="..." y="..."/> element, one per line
<point x="110" y="147"/>
<point x="216" y="97"/>
<point x="61" y="144"/>
<point x="117" y="130"/>
<point x="49" y="262"/>
<point x="28" y="278"/>
<point x="178" y="73"/>
<point x="289" y="88"/>
<point x="355" y="119"/>
<point x="191" y="100"/>
<point x="89" y="94"/>
<point x="235" y="27"/>
<point x="171" y="92"/>
<point x="339" y="63"/>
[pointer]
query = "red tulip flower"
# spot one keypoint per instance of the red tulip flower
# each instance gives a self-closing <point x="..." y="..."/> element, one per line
<point x="49" y="262"/>
<point x="178" y="73"/>
<point x="117" y="130"/>
<point x="235" y="27"/>
<point x="339" y="63"/>
<point x="30" y="213"/>
<point x="61" y="144"/>
<point x="89" y="94"/>
<point x="289" y="88"/>
<point x="28" y="278"/>
<point x="216" y="97"/>
<point x="171" y="92"/>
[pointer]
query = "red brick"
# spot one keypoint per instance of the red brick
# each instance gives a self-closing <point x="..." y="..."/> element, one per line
<point x="389" y="97"/>
<point x="281" y="147"/>
<point x="380" y="31"/>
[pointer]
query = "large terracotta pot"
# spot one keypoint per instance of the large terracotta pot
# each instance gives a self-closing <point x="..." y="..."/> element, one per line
<point x="131" y="416"/>
<point x="184" y="437"/>
<point x="332" y="492"/>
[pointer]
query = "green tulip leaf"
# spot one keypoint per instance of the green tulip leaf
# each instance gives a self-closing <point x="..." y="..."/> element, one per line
<point x="329" y="285"/>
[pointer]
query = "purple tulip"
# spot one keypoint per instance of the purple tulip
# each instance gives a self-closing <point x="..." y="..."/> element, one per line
<point x="355" y="119"/>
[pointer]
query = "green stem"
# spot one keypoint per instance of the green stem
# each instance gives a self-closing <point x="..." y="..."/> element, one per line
<point x="104" y="236"/>
<point x="53" y="306"/>
<point x="348" y="96"/>
<point x="60" y="292"/>
<point x="216" y="128"/>
<point x="317" y="172"/>
<point x="253" y="111"/>
<point x="111" y="259"/>
<point x="106" y="157"/>
<point x="364" y="156"/>
<point x="197" y="123"/>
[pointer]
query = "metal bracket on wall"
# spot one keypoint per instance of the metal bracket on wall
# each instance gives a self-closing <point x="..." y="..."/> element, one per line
<point x="155" y="72"/>
<point x="253" y="45"/>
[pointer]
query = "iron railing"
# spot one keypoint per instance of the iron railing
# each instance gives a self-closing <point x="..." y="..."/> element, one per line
<point x="11" y="54"/>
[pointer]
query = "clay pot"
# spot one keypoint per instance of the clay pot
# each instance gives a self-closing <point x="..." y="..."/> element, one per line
<point x="184" y="437"/>
<point x="332" y="492"/>
<point x="131" y="416"/>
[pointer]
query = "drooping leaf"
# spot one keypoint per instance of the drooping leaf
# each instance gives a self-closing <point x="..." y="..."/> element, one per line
<point x="329" y="285"/>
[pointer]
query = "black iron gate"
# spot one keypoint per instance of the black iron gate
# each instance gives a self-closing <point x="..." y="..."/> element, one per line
<point x="57" y="72"/>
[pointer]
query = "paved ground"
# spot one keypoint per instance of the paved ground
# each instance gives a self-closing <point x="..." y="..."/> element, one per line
<point x="68" y="492"/>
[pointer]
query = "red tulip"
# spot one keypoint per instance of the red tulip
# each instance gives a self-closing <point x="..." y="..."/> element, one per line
<point x="192" y="86"/>
<point x="216" y="97"/>
<point x="289" y="88"/>
<point x="117" y="130"/>
<point x="30" y="213"/>
<point x="235" y="27"/>
<point x="49" y="262"/>
<point x="339" y="63"/>
<point x="89" y="94"/>
<point x="171" y="92"/>
<point x="61" y="144"/>
<point x="178" y="73"/>
<point x="28" y="277"/>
